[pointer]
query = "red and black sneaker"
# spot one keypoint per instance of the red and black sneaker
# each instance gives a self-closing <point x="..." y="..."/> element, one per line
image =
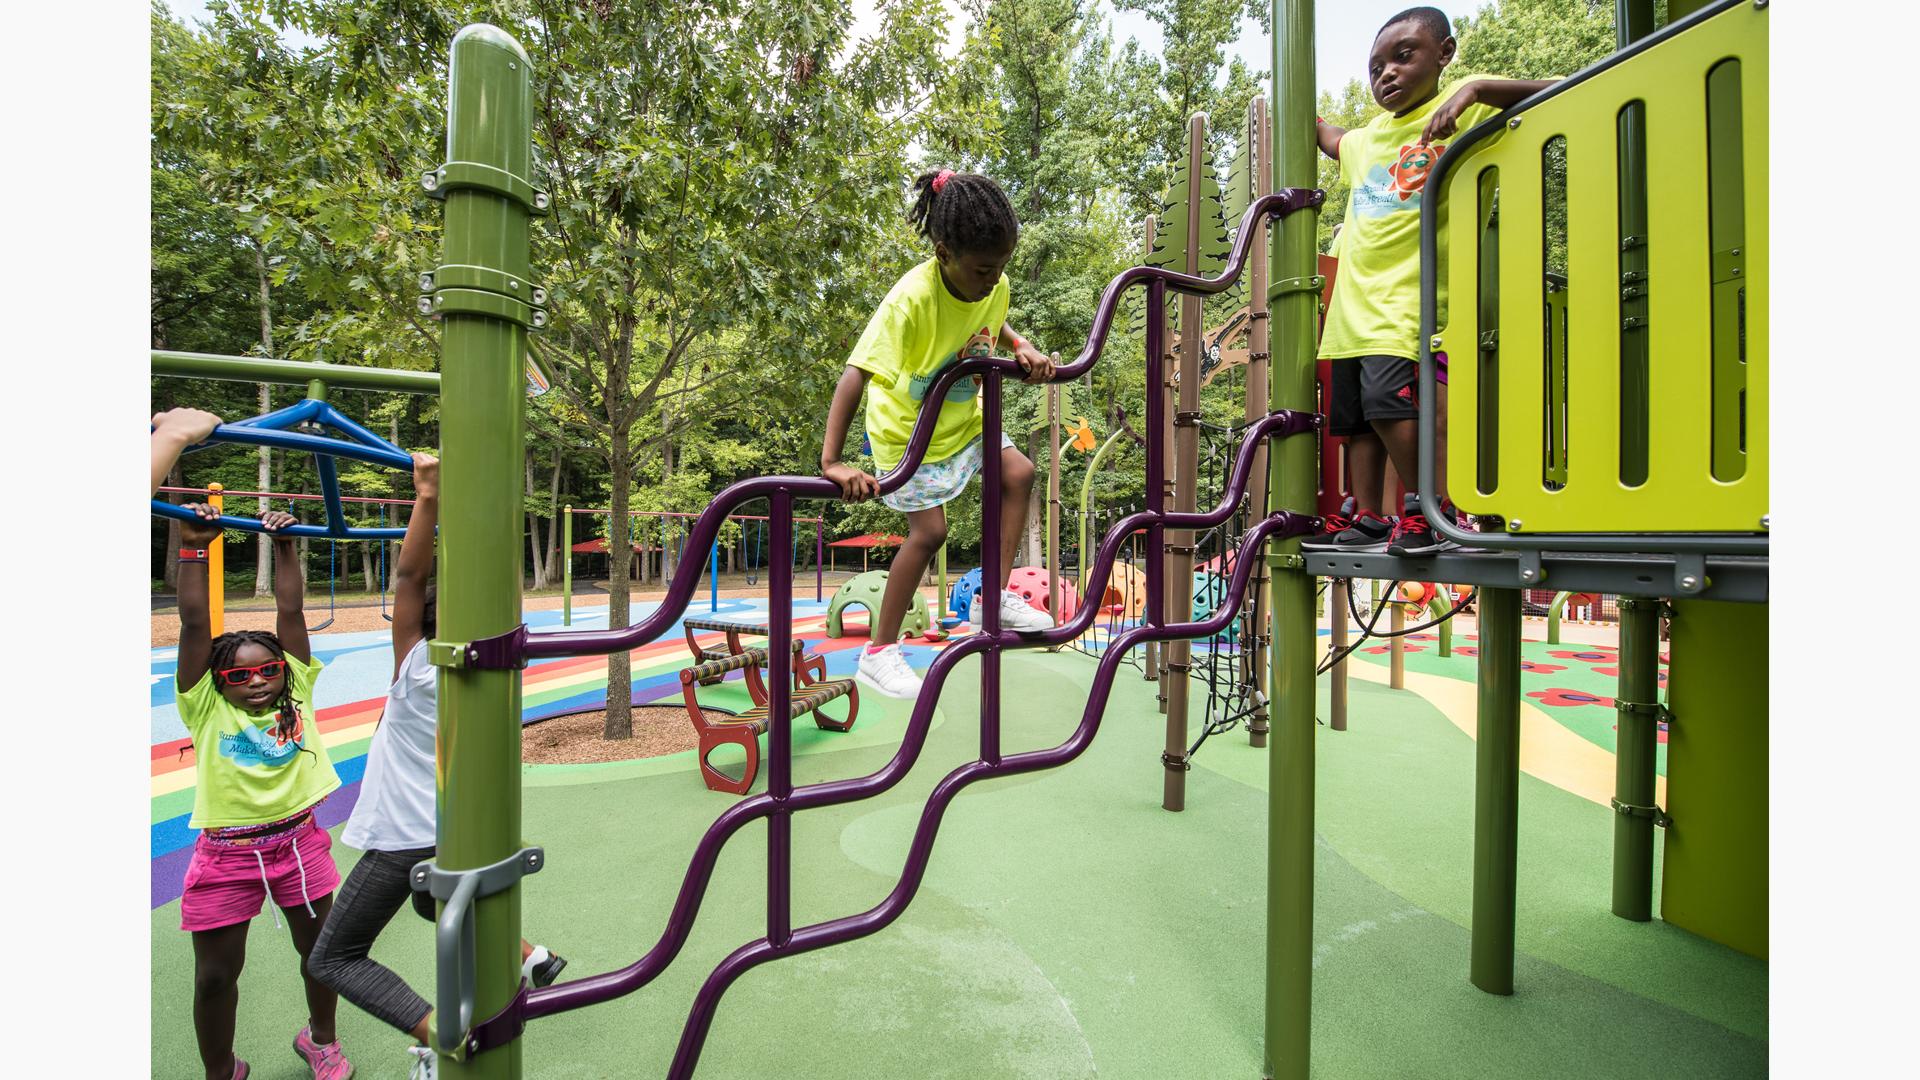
<point x="1364" y="531"/>
<point x="1332" y="525"/>
<point x="1413" y="537"/>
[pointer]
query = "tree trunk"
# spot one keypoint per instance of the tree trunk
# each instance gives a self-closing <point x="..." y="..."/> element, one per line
<point x="669" y="525"/>
<point x="619" y="724"/>
<point x="533" y="530"/>
<point x="262" y="567"/>
<point x="553" y="533"/>
<point x="170" y="572"/>
<point x="366" y="565"/>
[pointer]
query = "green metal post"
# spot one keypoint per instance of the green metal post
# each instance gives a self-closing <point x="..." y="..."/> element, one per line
<point x="1496" y="796"/>
<point x="489" y="128"/>
<point x="1553" y="616"/>
<point x="940" y="601"/>
<point x="1633" y="761"/>
<point x="1437" y="611"/>
<point x="1291" y="480"/>
<point x="566" y="575"/>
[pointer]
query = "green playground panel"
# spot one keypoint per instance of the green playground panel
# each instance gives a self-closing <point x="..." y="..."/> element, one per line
<point x="1705" y="250"/>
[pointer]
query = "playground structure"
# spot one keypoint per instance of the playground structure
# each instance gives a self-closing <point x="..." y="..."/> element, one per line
<point x="215" y="496"/>
<point x="865" y="591"/>
<point x="1654" y="492"/>
<point x="811" y="693"/>
<point x="665" y="517"/>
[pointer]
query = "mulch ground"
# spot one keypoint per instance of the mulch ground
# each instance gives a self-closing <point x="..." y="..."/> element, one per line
<point x="576" y="740"/>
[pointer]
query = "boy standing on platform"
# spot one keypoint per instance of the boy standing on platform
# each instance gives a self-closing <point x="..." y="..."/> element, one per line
<point x="1372" y="332"/>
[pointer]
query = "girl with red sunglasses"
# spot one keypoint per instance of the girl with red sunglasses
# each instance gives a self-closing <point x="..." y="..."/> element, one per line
<point x="246" y="697"/>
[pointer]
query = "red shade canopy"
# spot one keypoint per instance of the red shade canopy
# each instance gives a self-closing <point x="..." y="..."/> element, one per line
<point x="600" y="547"/>
<point x="870" y="540"/>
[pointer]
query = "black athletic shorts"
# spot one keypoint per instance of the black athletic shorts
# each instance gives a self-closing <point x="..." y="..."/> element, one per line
<point x="1368" y="388"/>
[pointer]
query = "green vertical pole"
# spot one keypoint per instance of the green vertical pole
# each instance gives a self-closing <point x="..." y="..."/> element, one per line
<point x="1496" y="794"/>
<point x="566" y="575"/>
<point x="940" y="601"/>
<point x="1437" y="611"/>
<point x="1633" y="761"/>
<point x="1553" y="617"/>
<point x="482" y="440"/>
<point x="1291" y="480"/>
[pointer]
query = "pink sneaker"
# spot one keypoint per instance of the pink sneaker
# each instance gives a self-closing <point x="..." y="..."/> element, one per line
<point x="328" y="1062"/>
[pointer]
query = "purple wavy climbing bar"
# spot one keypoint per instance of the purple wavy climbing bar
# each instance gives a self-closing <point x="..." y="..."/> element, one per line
<point x="781" y="799"/>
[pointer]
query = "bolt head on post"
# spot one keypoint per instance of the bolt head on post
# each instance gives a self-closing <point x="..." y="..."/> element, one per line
<point x="426" y="281"/>
<point x="430" y="180"/>
<point x="1513" y="123"/>
<point x="1514" y="524"/>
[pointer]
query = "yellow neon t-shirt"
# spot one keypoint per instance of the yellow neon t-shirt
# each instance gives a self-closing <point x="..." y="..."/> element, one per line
<point x="918" y="331"/>
<point x="249" y="770"/>
<point x="1376" y="297"/>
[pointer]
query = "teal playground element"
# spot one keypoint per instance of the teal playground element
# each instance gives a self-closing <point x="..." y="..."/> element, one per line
<point x="1209" y="592"/>
<point x="866" y="591"/>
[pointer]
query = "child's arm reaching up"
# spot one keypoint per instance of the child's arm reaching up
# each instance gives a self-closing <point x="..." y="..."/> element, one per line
<point x="414" y="568"/>
<point x="1499" y="93"/>
<point x="196" y="623"/>
<point x="855" y="486"/>
<point x="289" y="589"/>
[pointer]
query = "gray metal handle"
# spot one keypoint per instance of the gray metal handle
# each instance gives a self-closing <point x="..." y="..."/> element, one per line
<point x="453" y="950"/>
<point x="454" y="945"/>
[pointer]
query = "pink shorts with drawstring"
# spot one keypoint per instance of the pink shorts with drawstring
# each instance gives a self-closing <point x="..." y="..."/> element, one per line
<point x="228" y="883"/>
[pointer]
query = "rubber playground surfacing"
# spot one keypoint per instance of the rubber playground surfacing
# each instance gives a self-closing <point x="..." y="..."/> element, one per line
<point x="1067" y="927"/>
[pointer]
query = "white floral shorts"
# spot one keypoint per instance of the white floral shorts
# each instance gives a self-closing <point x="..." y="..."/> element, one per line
<point x="937" y="483"/>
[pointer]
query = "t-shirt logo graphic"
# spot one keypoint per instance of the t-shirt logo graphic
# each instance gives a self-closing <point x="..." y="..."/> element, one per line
<point x="272" y="748"/>
<point x="980" y="344"/>
<point x="1409" y="174"/>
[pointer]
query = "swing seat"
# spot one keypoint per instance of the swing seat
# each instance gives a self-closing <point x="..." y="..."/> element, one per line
<point x="744" y="729"/>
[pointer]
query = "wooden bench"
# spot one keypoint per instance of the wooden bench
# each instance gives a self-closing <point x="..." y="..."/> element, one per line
<point x="811" y="692"/>
<point x="816" y="666"/>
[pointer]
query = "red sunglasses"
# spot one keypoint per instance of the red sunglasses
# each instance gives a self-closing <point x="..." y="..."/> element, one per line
<point x="240" y="676"/>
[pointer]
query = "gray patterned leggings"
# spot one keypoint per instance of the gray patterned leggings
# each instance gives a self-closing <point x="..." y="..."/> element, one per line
<point x="362" y="908"/>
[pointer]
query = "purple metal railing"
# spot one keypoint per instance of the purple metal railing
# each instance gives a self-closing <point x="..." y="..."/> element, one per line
<point x="781" y="799"/>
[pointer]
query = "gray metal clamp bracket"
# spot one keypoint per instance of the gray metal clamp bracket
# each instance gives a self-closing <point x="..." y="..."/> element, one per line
<point x="454" y="947"/>
<point x="1658" y="815"/>
<point x="1652" y="708"/>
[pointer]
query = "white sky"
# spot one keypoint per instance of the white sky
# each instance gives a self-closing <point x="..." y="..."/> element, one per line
<point x="1343" y="32"/>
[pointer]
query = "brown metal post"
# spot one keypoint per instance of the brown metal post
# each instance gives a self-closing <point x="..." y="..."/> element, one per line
<point x="1151" y="669"/>
<point x="1260" y="132"/>
<point x="1186" y="469"/>
<point x="1396" y="645"/>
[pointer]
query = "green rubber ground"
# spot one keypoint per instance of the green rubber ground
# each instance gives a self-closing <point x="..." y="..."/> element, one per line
<point x="1068" y="927"/>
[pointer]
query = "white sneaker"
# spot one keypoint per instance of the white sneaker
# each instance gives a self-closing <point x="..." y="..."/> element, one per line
<point x="1015" y="614"/>
<point x="887" y="673"/>
<point x="426" y="1063"/>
